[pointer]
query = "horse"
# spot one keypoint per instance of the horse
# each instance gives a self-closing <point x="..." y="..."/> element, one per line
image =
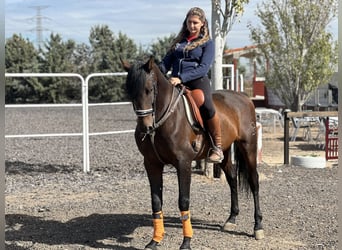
<point x="164" y="135"/>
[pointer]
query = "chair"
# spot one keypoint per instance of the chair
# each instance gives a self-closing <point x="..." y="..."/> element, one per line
<point x="303" y="123"/>
<point x="320" y="137"/>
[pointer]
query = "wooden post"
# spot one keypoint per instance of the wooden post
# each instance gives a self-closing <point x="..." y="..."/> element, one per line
<point x="286" y="137"/>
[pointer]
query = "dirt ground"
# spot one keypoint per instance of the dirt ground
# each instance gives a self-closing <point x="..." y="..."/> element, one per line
<point x="52" y="204"/>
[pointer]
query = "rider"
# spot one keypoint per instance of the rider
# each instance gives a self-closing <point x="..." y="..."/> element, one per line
<point x="190" y="57"/>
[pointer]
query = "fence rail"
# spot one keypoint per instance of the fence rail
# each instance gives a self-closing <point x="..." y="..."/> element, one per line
<point x="85" y="110"/>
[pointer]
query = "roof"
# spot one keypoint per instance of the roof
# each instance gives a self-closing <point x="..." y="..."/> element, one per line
<point x="326" y="95"/>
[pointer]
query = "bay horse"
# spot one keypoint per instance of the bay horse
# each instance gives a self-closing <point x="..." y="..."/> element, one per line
<point x="164" y="136"/>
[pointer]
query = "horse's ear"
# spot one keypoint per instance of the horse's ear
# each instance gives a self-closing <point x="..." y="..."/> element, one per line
<point x="151" y="62"/>
<point x="125" y="64"/>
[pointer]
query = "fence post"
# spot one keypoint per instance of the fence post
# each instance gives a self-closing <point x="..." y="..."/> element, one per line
<point x="86" y="167"/>
<point x="86" y="162"/>
<point x="286" y="137"/>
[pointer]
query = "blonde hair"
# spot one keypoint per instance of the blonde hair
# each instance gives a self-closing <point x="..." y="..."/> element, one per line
<point x="204" y="33"/>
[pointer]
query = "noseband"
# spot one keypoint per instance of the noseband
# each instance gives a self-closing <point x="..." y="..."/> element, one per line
<point x="146" y="112"/>
<point x="143" y="112"/>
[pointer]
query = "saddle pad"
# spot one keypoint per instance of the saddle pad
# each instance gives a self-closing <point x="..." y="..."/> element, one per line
<point x="195" y="124"/>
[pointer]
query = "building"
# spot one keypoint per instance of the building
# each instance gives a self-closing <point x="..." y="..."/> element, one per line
<point x="324" y="98"/>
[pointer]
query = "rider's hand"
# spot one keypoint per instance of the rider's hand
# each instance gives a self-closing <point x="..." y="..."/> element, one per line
<point x="175" y="81"/>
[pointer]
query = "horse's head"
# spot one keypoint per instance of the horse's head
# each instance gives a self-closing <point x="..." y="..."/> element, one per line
<point x="141" y="87"/>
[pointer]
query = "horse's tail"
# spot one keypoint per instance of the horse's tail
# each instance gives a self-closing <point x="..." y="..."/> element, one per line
<point x="241" y="168"/>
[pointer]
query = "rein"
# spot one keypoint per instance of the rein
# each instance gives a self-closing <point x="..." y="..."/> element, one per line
<point x="169" y="110"/>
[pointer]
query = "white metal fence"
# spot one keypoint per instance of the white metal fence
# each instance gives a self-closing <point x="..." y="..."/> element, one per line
<point x="85" y="107"/>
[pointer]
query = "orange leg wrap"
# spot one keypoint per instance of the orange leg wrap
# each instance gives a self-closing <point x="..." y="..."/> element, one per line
<point x="187" y="228"/>
<point x="158" y="226"/>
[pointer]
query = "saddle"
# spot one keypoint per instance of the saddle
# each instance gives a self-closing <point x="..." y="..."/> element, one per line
<point x="193" y="99"/>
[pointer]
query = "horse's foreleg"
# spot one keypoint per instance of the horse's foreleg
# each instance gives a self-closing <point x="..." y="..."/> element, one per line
<point x="184" y="181"/>
<point x="156" y="185"/>
<point x="231" y="176"/>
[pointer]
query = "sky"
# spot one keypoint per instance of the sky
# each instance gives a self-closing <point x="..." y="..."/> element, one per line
<point x="144" y="21"/>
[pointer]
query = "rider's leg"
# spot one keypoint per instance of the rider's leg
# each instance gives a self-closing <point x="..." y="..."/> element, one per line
<point x="214" y="127"/>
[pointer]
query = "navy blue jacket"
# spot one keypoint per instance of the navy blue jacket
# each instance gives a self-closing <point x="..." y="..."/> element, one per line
<point x="189" y="65"/>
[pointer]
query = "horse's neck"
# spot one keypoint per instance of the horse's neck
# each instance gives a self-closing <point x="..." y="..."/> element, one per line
<point x="166" y="95"/>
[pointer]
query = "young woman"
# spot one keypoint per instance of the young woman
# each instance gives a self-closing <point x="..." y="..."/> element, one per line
<point x="189" y="58"/>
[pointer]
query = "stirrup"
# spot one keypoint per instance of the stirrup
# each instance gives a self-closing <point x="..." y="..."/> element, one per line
<point x="216" y="155"/>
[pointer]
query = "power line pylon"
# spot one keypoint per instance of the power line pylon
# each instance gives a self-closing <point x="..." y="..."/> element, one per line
<point x="39" y="26"/>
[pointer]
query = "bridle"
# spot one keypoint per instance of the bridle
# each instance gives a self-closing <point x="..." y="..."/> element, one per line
<point x="140" y="113"/>
<point x="145" y="112"/>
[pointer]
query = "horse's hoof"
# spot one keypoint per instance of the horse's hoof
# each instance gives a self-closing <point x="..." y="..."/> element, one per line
<point x="259" y="234"/>
<point x="185" y="248"/>
<point x="153" y="245"/>
<point x="185" y="244"/>
<point x="229" y="226"/>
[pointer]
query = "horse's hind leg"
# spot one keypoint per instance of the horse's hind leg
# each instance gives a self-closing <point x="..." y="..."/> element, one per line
<point x="231" y="176"/>
<point x="254" y="184"/>
<point x="154" y="173"/>
<point x="253" y="181"/>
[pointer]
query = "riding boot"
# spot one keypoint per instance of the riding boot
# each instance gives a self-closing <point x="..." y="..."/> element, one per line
<point x="214" y="127"/>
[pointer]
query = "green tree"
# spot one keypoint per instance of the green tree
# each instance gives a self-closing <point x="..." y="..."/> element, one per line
<point x="57" y="56"/>
<point x="294" y="40"/>
<point x="106" y="52"/>
<point x="21" y="57"/>
<point x="160" y="48"/>
<point x="81" y="59"/>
